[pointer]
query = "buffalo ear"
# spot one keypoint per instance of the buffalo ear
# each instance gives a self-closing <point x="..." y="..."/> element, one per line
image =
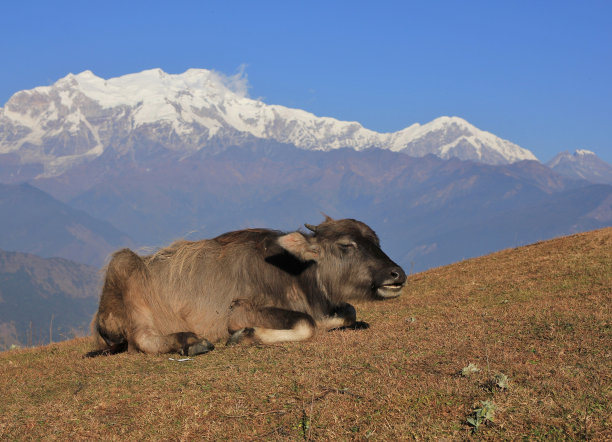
<point x="300" y="246"/>
<point x="327" y="217"/>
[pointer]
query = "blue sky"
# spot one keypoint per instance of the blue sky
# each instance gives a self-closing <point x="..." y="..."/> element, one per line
<point x="536" y="73"/>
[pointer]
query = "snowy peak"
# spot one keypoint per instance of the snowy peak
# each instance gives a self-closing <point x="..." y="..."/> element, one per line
<point x="579" y="156"/>
<point x="583" y="152"/>
<point x="449" y="137"/>
<point x="153" y="84"/>
<point x="82" y="116"/>
<point x="582" y="164"/>
<point x="152" y="95"/>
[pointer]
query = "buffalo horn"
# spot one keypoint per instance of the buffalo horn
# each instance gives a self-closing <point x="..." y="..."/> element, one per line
<point x="311" y="227"/>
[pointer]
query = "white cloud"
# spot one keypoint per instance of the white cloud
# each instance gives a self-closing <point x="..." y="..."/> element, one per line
<point x="237" y="83"/>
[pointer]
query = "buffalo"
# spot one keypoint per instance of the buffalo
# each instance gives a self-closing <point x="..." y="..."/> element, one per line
<point x="253" y="285"/>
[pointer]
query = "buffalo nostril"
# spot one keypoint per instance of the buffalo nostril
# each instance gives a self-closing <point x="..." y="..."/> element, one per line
<point x="398" y="274"/>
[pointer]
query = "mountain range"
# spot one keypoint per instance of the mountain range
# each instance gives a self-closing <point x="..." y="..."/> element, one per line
<point x="47" y="130"/>
<point x="153" y="156"/>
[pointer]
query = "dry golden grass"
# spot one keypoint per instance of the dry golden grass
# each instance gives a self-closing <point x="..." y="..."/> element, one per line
<point x="540" y="314"/>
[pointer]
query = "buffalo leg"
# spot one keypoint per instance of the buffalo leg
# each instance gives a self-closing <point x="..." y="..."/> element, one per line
<point x="269" y="325"/>
<point x="145" y="337"/>
<point x="343" y="315"/>
<point x="185" y="343"/>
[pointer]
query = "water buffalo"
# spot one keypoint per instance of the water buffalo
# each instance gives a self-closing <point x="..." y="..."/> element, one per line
<point x="254" y="285"/>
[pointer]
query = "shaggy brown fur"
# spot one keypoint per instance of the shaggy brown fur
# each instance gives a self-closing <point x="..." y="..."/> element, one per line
<point x="259" y="284"/>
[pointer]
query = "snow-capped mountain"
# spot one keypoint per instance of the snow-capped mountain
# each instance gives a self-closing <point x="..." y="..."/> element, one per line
<point x="82" y="116"/>
<point x="582" y="164"/>
<point x="161" y="157"/>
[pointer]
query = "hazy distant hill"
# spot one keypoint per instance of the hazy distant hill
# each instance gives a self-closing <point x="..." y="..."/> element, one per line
<point x="39" y="296"/>
<point x="32" y="221"/>
<point x="414" y="203"/>
<point x="582" y="164"/>
<point x="569" y="211"/>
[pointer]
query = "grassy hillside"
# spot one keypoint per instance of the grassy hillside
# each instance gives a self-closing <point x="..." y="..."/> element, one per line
<point x="539" y="314"/>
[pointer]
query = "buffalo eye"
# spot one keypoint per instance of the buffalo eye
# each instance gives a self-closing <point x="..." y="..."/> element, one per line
<point x="346" y="245"/>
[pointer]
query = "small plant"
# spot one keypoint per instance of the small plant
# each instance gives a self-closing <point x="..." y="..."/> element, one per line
<point x="481" y="415"/>
<point x="303" y="426"/>
<point x="470" y="369"/>
<point x="499" y="381"/>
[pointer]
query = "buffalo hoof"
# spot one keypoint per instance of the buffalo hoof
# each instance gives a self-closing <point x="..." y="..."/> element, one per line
<point x="198" y="348"/>
<point x="357" y="325"/>
<point x="193" y="346"/>
<point x="111" y="350"/>
<point x="240" y="335"/>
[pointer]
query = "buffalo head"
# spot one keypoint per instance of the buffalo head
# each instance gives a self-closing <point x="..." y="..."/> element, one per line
<point x="350" y="262"/>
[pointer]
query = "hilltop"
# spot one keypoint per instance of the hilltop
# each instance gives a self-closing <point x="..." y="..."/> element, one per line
<point x="539" y="314"/>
